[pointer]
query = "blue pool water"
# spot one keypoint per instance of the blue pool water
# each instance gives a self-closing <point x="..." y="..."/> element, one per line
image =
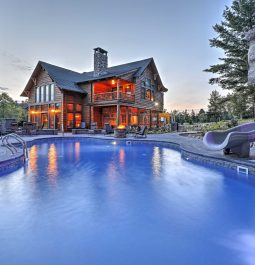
<point x="96" y="202"/>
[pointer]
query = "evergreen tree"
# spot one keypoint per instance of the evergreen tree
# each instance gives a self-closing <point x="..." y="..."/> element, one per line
<point x="11" y="109"/>
<point x="232" y="71"/>
<point x="215" y="107"/>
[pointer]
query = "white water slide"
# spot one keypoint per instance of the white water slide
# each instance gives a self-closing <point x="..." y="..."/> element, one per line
<point x="236" y="140"/>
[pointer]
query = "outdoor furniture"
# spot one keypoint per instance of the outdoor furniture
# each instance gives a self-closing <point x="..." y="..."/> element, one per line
<point x="14" y="127"/>
<point x="236" y="140"/>
<point x="141" y="133"/>
<point x="47" y="131"/>
<point x="30" y="128"/>
<point x="80" y="131"/>
<point x="108" y="128"/>
<point x="93" y="125"/>
<point x="5" y="125"/>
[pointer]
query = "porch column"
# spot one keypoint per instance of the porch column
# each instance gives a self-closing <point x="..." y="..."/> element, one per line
<point x="62" y="113"/>
<point x="91" y="115"/>
<point x="127" y="115"/>
<point x="29" y="114"/>
<point x="150" y="118"/>
<point x="118" y="115"/>
<point x="118" y="89"/>
<point x="118" y="104"/>
<point x="138" y="116"/>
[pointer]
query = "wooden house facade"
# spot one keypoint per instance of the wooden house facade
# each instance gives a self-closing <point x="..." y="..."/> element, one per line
<point x="128" y="94"/>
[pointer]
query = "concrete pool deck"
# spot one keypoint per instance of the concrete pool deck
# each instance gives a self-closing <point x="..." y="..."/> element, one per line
<point x="191" y="148"/>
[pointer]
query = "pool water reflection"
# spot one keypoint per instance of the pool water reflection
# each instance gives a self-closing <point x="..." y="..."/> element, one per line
<point x="95" y="202"/>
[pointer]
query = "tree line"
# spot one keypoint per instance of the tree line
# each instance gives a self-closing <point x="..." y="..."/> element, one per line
<point x="12" y="109"/>
<point x="231" y="73"/>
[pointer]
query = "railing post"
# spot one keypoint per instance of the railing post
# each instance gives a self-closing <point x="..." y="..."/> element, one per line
<point x="118" y="89"/>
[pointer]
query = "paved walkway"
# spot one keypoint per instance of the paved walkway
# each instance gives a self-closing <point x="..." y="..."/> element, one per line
<point x="187" y="144"/>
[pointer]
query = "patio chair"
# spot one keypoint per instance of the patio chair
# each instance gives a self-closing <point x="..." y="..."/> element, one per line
<point x="141" y="133"/>
<point x="30" y="128"/>
<point x="108" y="128"/>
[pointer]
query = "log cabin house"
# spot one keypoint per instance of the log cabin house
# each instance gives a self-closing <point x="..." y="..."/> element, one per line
<point x="128" y="94"/>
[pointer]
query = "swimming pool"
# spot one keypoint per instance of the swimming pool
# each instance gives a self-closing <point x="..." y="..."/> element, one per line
<point x="105" y="202"/>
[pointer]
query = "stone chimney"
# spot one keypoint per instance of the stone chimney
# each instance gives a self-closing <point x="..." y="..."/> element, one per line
<point x="100" y="61"/>
<point x="251" y="56"/>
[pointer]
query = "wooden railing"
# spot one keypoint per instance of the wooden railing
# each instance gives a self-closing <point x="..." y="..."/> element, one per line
<point x="109" y="96"/>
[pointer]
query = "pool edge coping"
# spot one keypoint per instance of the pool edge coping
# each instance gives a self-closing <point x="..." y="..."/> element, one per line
<point x="206" y="159"/>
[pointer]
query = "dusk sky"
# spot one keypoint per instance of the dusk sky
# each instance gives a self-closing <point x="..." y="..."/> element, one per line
<point x="64" y="33"/>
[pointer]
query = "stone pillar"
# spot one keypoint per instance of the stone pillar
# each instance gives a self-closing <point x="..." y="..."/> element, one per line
<point x="251" y="56"/>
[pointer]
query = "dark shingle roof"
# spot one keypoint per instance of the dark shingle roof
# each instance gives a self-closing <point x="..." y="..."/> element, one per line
<point x="138" y="66"/>
<point x="70" y="80"/>
<point x="65" y="79"/>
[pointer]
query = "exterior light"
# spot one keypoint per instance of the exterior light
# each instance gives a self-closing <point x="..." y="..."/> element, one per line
<point x="113" y="82"/>
<point x="156" y="104"/>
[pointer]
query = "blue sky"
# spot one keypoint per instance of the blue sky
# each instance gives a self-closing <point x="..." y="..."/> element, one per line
<point x="65" y="32"/>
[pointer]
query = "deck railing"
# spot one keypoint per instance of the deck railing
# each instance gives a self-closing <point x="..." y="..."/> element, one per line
<point x="109" y="96"/>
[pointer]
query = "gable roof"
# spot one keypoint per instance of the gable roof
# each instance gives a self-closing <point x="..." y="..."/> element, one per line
<point x="137" y="67"/>
<point x="70" y="80"/>
<point x="64" y="78"/>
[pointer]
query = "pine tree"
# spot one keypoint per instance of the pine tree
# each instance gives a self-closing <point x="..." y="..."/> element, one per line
<point x="232" y="71"/>
<point x="215" y="107"/>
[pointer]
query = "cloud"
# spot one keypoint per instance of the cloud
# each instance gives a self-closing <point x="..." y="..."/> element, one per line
<point x="17" y="62"/>
<point x="3" y="88"/>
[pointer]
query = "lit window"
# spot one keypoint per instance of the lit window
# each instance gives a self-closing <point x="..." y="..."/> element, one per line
<point x="77" y="120"/>
<point x="69" y="107"/>
<point x="78" y="107"/>
<point x="70" y="120"/>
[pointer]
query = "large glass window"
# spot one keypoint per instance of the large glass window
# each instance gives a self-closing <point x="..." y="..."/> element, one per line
<point x="70" y="121"/>
<point x="52" y="92"/>
<point x="45" y="123"/>
<point x="47" y="93"/>
<point x="42" y="93"/>
<point x="69" y="107"/>
<point x="37" y="96"/>
<point x="78" y="107"/>
<point x="77" y="120"/>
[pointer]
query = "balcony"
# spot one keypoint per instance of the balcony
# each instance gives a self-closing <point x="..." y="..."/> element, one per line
<point x="111" y="96"/>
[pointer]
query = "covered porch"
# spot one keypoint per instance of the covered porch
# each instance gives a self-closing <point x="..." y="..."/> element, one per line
<point x="113" y="89"/>
<point x="117" y="115"/>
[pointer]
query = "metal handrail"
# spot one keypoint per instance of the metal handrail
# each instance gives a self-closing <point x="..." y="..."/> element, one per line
<point x="12" y="148"/>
